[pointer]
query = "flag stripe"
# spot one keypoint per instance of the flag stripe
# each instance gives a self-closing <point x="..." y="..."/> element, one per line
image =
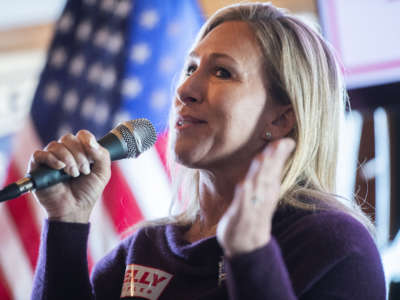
<point x="5" y="292"/>
<point x="161" y="146"/>
<point x="148" y="180"/>
<point x="24" y="220"/>
<point x="90" y="260"/>
<point x="102" y="237"/>
<point x="120" y="202"/>
<point x="13" y="260"/>
<point x="25" y="143"/>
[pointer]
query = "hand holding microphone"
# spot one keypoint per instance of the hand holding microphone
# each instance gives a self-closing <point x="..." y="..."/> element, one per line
<point x="82" y="167"/>
<point x="73" y="200"/>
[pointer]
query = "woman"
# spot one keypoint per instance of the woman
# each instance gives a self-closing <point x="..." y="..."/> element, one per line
<point x="254" y="129"/>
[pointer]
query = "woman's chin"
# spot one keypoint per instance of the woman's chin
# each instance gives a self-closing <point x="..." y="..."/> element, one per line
<point x="189" y="158"/>
<point x="186" y="160"/>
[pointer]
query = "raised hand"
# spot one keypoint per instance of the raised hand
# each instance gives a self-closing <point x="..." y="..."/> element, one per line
<point x="246" y="225"/>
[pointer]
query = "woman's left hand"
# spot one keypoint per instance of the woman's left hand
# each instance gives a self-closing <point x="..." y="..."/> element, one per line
<point x="246" y="225"/>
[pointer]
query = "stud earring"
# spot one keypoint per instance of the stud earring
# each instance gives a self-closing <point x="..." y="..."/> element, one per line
<point x="268" y="135"/>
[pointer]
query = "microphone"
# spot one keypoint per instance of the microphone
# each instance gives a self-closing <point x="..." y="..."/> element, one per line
<point x="129" y="139"/>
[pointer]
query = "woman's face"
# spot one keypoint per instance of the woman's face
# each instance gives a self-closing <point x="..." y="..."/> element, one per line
<point x="221" y="108"/>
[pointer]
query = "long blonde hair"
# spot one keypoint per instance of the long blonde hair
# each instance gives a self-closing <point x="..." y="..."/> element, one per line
<point x="300" y="69"/>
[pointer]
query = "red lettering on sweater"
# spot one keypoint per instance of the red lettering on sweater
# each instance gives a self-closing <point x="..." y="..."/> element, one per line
<point x="143" y="278"/>
<point x="145" y="282"/>
<point x="157" y="280"/>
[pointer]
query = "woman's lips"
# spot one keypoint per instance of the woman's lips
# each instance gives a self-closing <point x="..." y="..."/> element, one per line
<point x="188" y="121"/>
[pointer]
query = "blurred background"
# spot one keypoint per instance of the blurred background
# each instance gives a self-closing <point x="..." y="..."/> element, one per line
<point x="93" y="63"/>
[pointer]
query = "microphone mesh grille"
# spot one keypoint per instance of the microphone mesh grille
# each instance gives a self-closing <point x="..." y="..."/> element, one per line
<point x="139" y="135"/>
<point x="129" y="140"/>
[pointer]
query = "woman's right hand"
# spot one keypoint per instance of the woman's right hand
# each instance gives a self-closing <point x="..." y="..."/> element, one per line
<point x="80" y="154"/>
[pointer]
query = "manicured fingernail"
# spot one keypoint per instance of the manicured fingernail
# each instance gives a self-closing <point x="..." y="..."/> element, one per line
<point x="74" y="172"/>
<point x="93" y="143"/>
<point x="86" y="169"/>
<point x="60" y="164"/>
<point x="254" y="167"/>
<point x="271" y="148"/>
<point x="287" y="145"/>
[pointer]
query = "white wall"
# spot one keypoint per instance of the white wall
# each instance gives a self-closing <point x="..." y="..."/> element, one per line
<point x="16" y="13"/>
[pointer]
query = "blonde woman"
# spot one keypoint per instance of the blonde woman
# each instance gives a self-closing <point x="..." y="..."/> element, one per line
<point x="253" y="136"/>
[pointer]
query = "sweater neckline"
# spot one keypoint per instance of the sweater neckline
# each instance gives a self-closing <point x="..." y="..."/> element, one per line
<point x="205" y="251"/>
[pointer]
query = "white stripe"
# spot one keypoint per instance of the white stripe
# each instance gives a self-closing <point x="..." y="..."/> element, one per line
<point x="25" y="142"/>
<point x="102" y="237"/>
<point x="149" y="182"/>
<point x="16" y="267"/>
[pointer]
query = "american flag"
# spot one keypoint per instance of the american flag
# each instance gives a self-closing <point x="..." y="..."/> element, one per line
<point x="109" y="61"/>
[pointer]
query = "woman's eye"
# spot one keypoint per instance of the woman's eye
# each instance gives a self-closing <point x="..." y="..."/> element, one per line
<point x="190" y="70"/>
<point x="222" y="73"/>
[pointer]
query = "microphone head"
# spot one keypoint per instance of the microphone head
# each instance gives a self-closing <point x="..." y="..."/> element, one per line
<point x="137" y="136"/>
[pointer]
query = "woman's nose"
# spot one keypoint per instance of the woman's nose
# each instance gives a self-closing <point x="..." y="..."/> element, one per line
<point x="185" y="99"/>
<point x="191" y="89"/>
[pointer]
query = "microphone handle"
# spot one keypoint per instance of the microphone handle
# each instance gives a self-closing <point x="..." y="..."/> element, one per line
<point x="45" y="176"/>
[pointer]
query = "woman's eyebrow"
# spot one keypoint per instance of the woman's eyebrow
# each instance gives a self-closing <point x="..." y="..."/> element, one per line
<point x="214" y="56"/>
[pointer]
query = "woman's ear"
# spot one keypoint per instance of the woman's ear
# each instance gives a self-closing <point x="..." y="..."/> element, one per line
<point x="282" y="121"/>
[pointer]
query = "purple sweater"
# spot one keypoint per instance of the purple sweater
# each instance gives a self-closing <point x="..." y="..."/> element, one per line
<point x="320" y="255"/>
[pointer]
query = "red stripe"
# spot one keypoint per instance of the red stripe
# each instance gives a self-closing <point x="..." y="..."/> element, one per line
<point x="120" y="202"/>
<point x="90" y="262"/>
<point x="161" y="146"/>
<point x="5" y="291"/>
<point x="24" y="219"/>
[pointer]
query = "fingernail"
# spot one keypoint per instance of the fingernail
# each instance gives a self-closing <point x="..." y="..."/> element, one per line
<point x="86" y="169"/>
<point x="271" y="148"/>
<point x="287" y="145"/>
<point x="254" y="167"/>
<point x="93" y="143"/>
<point x="60" y="165"/>
<point x="276" y="147"/>
<point x="74" y="172"/>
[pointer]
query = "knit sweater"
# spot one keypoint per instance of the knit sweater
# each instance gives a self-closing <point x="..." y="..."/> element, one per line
<point x="311" y="255"/>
